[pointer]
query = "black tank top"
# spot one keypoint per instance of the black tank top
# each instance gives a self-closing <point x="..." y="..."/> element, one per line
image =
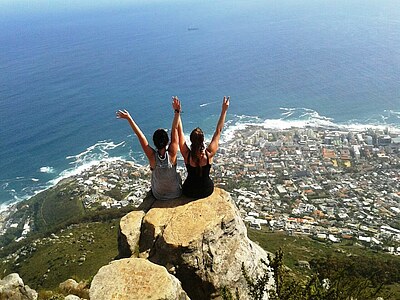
<point x="198" y="183"/>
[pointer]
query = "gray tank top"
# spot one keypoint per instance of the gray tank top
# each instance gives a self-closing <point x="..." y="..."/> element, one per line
<point x="166" y="183"/>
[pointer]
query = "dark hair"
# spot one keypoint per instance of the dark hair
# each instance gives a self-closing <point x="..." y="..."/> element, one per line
<point x="197" y="139"/>
<point x="160" y="138"/>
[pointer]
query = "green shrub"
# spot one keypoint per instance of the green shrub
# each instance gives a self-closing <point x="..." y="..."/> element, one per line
<point x="341" y="284"/>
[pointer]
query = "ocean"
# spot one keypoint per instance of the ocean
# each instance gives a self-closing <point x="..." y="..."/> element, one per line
<point x="66" y="68"/>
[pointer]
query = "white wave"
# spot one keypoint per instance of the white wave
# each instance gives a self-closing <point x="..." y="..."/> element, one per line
<point x="363" y="127"/>
<point x="241" y="122"/>
<point x="31" y="191"/>
<point x="315" y="115"/>
<point x="288" y="111"/>
<point x="208" y="103"/>
<point x="393" y="113"/>
<point x="80" y="169"/>
<point x="6" y="206"/>
<point x="299" y="118"/>
<point x="303" y="113"/>
<point x="100" y="149"/>
<point x="247" y="118"/>
<point x="92" y="156"/>
<point x="384" y="118"/>
<point x="230" y="131"/>
<point x="46" y="170"/>
<point x="137" y="156"/>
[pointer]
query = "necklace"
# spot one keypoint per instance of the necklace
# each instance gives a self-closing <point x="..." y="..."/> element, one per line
<point x="160" y="157"/>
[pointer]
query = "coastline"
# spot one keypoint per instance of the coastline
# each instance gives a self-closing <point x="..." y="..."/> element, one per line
<point x="233" y="138"/>
<point x="291" y="118"/>
<point x="241" y="123"/>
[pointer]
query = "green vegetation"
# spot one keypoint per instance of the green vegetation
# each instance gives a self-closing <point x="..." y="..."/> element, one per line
<point x="77" y="252"/>
<point x="353" y="271"/>
<point x="341" y="285"/>
<point x="55" y="206"/>
<point x="9" y="237"/>
<point x="104" y="215"/>
<point x="50" y="210"/>
<point x="66" y="240"/>
<point x="55" y="209"/>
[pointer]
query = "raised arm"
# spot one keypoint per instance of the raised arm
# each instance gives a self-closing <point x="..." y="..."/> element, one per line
<point x="124" y="114"/>
<point x="176" y="104"/>
<point x="213" y="146"/>
<point x="173" y="146"/>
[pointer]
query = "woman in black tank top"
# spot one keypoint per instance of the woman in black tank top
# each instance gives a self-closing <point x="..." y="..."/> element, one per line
<point x="198" y="183"/>
<point x="198" y="158"/>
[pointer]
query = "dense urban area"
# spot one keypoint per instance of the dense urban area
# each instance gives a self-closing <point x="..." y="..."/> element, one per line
<point x="332" y="185"/>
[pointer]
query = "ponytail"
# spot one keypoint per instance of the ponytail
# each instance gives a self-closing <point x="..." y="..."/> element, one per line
<point x="197" y="139"/>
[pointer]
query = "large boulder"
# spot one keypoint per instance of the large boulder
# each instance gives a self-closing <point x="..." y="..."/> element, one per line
<point x="129" y="234"/>
<point x="202" y="242"/>
<point x="12" y="288"/>
<point x="135" y="278"/>
<point x="129" y="229"/>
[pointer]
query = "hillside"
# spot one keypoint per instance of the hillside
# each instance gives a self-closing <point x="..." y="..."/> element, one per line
<point x="75" y="252"/>
<point x="109" y="189"/>
<point x="355" y="260"/>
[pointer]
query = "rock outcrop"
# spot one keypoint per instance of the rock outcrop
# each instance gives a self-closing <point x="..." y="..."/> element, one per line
<point x="135" y="278"/>
<point x="12" y="288"/>
<point x="203" y="243"/>
<point x="70" y="286"/>
<point x="129" y="233"/>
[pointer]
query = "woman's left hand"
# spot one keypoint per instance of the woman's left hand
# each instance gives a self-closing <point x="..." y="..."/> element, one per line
<point x="176" y="104"/>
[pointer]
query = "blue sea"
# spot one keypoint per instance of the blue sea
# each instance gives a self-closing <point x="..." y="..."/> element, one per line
<point x="67" y="66"/>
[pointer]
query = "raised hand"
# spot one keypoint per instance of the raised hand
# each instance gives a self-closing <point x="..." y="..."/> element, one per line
<point x="123" y="114"/>
<point x="176" y="104"/>
<point x="225" y="103"/>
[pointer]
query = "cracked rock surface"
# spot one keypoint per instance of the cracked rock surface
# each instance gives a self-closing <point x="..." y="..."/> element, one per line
<point x="203" y="243"/>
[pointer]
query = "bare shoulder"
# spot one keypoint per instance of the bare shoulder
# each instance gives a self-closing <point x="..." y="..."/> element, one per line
<point x="210" y="154"/>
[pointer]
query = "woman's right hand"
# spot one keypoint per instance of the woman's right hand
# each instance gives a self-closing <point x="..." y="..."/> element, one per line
<point x="123" y="114"/>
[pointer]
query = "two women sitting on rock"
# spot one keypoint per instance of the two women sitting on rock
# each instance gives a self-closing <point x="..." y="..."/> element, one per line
<point x="165" y="180"/>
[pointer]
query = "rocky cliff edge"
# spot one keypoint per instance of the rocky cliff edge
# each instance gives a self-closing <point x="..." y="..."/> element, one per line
<point x="201" y="243"/>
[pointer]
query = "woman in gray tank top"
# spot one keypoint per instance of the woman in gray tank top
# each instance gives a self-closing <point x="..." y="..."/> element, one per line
<point x="165" y="181"/>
